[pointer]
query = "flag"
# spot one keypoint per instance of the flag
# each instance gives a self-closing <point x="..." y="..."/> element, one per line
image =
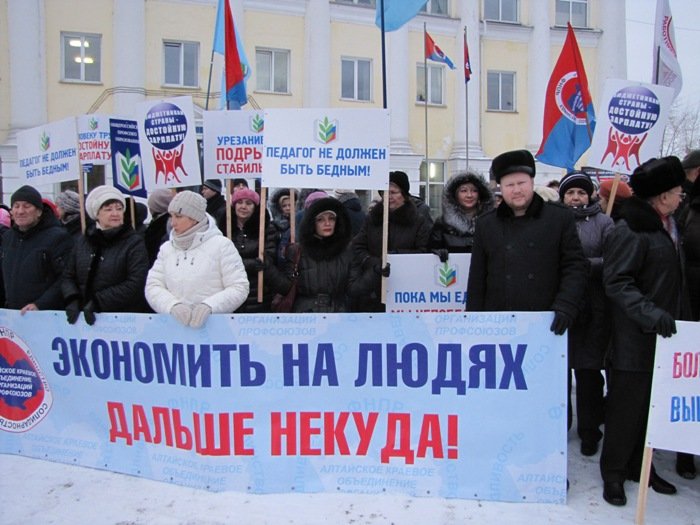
<point x="569" y="119"/>
<point x="397" y="12"/>
<point x="236" y="68"/>
<point x="433" y="52"/>
<point x="467" y="62"/>
<point x="667" y="70"/>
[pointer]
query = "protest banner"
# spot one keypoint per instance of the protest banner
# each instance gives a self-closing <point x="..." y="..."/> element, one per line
<point x="94" y="140"/>
<point x="49" y="154"/>
<point x="630" y="125"/>
<point x="168" y="141"/>
<point x="326" y="148"/>
<point x="674" y="413"/>
<point x="127" y="170"/>
<point x="421" y="283"/>
<point x="233" y="144"/>
<point x="469" y="405"/>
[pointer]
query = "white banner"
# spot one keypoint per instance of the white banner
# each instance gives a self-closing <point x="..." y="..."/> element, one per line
<point x="631" y="118"/>
<point x="326" y="148"/>
<point x="674" y="415"/>
<point x="421" y="283"/>
<point x="94" y="144"/>
<point x="48" y="154"/>
<point x="168" y="141"/>
<point x="233" y="144"/>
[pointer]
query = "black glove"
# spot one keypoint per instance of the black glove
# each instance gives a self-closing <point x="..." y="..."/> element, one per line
<point x="561" y="323"/>
<point x="384" y="272"/>
<point x="666" y="325"/>
<point x="258" y="264"/>
<point x="442" y="253"/>
<point x="89" y="312"/>
<point x="73" y="311"/>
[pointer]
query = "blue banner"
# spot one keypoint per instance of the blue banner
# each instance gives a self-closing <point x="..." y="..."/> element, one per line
<point x="456" y="405"/>
<point x="127" y="173"/>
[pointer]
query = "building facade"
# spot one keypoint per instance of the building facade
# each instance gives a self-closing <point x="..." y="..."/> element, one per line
<point x="60" y="58"/>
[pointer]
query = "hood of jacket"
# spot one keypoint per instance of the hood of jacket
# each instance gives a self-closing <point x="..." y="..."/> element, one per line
<point x="452" y="213"/>
<point x="274" y="202"/>
<point x="325" y="248"/>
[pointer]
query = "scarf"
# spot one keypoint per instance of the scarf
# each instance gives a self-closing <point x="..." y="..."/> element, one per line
<point x="185" y="240"/>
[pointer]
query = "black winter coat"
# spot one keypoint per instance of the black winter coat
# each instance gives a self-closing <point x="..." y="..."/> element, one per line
<point x="325" y="263"/>
<point x="643" y="277"/>
<point x="409" y="232"/>
<point x="33" y="263"/>
<point x="246" y="241"/>
<point x="691" y="249"/>
<point x="590" y="335"/>
<point x="155" y="235"/>
<point x="216" y="207"/>
<point x="454" y="230"/>
<point x="108" y="267"/>
<point x="530" y="263"/>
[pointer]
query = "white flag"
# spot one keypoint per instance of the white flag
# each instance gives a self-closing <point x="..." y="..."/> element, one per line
<point x="667" y="70"/>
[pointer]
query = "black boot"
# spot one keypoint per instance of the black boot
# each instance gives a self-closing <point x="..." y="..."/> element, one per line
<point x="614" y="493"/>
<point x="660" y="485"/>
<point x="685" y="465"/>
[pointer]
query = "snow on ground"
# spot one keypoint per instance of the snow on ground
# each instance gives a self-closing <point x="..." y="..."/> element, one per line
<point x="41" y="492"/>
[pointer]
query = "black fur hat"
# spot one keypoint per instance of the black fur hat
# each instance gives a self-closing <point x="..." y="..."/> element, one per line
<point x="517" y="161"/>
<point x="656" y="176"/>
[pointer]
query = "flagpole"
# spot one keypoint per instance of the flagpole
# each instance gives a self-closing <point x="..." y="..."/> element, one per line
<point x="425" y="97"/>
<point x="384" y="101"/>
<point x="466" y="100"/>
<point x="211" y="66"/>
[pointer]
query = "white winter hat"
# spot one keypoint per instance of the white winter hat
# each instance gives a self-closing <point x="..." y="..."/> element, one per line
<point x="99" y="196"/>
<point x="190" y="204"/>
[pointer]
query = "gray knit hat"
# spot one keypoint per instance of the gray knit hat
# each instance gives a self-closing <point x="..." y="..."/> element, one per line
<point x="158" y="201"/>
<point x="69" y="202"/>
<point x="99" y="196"/>
<point x="189" y="204"/>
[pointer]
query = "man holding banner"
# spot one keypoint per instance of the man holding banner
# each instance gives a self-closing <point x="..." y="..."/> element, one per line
<point x="644" y="281"/>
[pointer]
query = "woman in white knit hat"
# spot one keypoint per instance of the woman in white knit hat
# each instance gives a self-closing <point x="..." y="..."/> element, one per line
<point x="107" y="269"/>
<point x="198" y="271"/>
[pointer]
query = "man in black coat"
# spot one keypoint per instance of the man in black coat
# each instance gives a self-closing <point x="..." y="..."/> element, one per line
<point x="526" y="255"/>
<point x="34" y="252"/>
<point x="216" y="203"/>
<point x="643" y="279"/>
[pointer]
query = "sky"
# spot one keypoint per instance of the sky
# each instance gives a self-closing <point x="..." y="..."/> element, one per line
<point x="640" y="38"/>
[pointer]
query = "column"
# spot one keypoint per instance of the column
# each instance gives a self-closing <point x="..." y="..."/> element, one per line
<point x="398" y="74"/>
<point x="129" y="56"/>
<point x="539" y="69"/>
<point x="27" y="41"/>
<point x="612" y="60"/>
<point x="317" y="45"/>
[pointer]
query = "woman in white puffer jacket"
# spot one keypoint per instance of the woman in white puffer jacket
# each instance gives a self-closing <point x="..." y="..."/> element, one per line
<point x="198" y="271"/>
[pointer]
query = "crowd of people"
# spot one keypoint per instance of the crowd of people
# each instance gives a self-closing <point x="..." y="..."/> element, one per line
<point x="616" y="270"/>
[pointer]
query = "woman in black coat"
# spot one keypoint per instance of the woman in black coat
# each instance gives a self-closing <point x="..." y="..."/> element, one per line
<point x="246" y="237"/>
<point x="589" y="336"/>
<point x="107" y="269"/>
<point x="409" y="232"/>
<point x="464" y="198"/>
<point x="325" y="259"/>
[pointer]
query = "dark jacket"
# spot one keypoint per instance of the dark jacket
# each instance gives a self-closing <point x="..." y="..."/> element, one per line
<point x="589" y="336"/>
<point x="246" y="241"/>
<point x="454" y="230"/>
<point x="409" y="232"/>
<point x="643" y="278"/>
<point x="155" y="235"/>
<point x="108" y="267"/>
<point x="353" y="207"/>
<point x="281" y="224"/>
<point x="529" y="263"/>
<point x="216" y="207"/>
<point x="691" y="249"/>
<point x="33" y="262"/>
<point x="325" y="263"/>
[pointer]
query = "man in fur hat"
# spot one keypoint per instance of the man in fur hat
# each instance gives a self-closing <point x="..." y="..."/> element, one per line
<point x="526" y="255"/>
<point x="643" y="280"/>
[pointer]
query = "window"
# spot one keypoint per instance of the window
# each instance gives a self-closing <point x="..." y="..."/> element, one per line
<point x="574" y="11"/>
<point x="500" y="88"/>
<point x="435" y="7"/>
<point x="432" y="182"/>
<point x="181" y="63"/>
<point x="501" y="10"/>
<point x="435" y="74"/>
<point x="272" y="70"/>
<point x="356" y="79"/>
<point x="81" y="57"/>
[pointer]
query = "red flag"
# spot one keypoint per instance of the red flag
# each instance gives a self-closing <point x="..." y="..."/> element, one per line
<point x="235" y="87"/>
<point x="467" y="63"/>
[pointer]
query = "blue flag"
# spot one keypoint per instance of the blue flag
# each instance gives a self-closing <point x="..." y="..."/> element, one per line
<point x="227" y="43"/>
<point x="397" y="12"/>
